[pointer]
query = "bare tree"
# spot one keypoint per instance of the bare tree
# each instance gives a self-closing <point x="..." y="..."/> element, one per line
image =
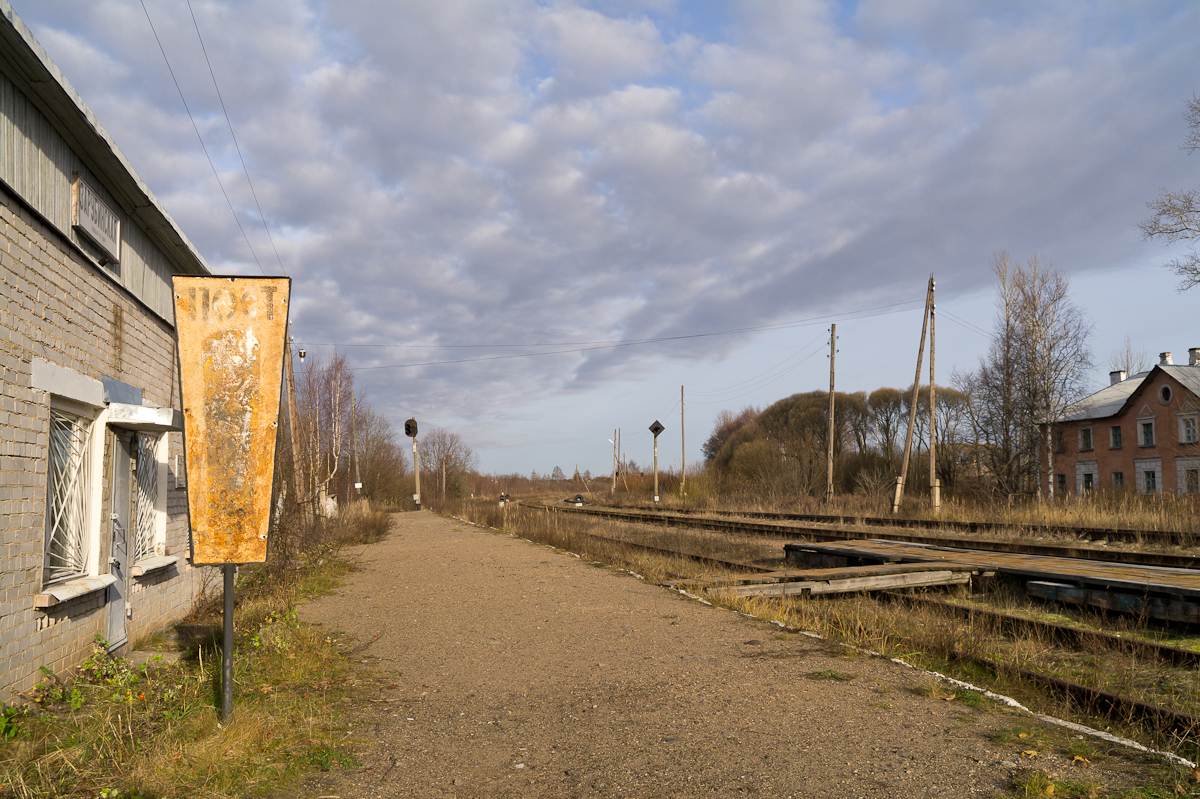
<point x="1129" y="360"/>
<point x="887" y="409"/>
<point x="1036" y="365"/>
<point x="441" y="450"/>
<point x="1177" y="212"/>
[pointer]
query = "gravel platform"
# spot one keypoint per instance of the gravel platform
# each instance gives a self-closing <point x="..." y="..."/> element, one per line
<point x="522" y="671"/>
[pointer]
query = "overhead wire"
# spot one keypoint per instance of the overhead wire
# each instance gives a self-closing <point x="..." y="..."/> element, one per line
<point x="203" y="147"/>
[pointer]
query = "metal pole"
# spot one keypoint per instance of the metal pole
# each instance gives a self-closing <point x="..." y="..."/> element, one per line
<point x="935" y="489"/>
<point x="227" y="647"/>
<point x="417" y="473"/>
<point x="683" y="448"/>
<point x="829" y="458"/>
<point x="912" y="411"/>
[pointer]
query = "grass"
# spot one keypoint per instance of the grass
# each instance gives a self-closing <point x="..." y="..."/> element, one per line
<point x="113" y="729"/>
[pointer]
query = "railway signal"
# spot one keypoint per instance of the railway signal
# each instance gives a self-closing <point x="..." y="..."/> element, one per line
<point x="656" y="428"/>
<point x="410" y="430"/>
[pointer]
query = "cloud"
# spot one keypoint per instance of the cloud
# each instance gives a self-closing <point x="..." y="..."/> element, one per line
<point x="531" y="173"/>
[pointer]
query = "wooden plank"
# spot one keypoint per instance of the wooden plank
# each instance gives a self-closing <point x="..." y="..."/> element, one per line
<point x="824" y="575"/>
<point x="852" y="585"/>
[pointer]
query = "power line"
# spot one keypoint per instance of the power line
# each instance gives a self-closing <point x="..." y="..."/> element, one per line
<point x="196" y="128"/>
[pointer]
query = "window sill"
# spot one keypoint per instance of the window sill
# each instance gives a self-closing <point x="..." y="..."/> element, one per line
<point x="144" y="567"/>
<point x="71" y="589"/>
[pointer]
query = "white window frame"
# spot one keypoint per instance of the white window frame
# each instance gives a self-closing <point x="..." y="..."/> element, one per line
<point x="1182" y="464"/>
<point x="1143" y="465"/>
<point x="1189" y="428"/>
<point x="150" y="526"/>
<point x="1082" y="468"/>
<point x="85" y="496"/>
<point x="1141" y="433"/>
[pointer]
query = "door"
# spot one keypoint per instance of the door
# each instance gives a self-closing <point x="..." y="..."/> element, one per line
<point x="120" y="505"/>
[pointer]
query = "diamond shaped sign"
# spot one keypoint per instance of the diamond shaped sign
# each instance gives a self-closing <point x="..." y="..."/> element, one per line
<point x="656" y="428"/>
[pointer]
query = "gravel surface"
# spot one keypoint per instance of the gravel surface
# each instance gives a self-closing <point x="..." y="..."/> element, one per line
<point x="509" y="669"/>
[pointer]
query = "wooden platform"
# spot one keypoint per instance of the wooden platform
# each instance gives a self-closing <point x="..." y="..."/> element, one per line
<point x="848" y="579"/>
<point x="1118" y="577"/>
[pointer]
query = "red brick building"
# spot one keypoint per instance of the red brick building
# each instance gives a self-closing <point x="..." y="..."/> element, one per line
<point x="1141" y="433"/>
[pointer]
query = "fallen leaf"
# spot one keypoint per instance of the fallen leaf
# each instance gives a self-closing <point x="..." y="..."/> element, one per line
<point x="1179" y="788"/>
<point x="1196" y="773"/>
<point x="1081" y="761"/>
<point x="1023" y="735"/>
<point x="1029" y="753"/>
<point x="1049" y="790"/>
<point x="950" y="698"/>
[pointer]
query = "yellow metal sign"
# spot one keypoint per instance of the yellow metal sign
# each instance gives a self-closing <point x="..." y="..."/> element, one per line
<point x="231" y="347"/>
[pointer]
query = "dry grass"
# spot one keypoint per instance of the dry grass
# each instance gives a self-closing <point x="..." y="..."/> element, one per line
<point x="152" y="731"/>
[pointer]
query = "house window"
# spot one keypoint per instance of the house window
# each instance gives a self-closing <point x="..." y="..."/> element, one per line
<point x="1087" y="482"/>
<point x="1118" y="479"/>
<point x="1191" y="481"/>
<point x="1164" y="395"/>
<point x="1149" y="481"/>
<point x="68" y="488"/>
<point x="1188" y="430"/>
<point x="1085" y="438"/>
<point x="1147" y="434"/>
<point x="1062" y="483"/>
<point x="145" y="534"/>
<point x="1114" y="436"/>
<point x="1060" y="444"/>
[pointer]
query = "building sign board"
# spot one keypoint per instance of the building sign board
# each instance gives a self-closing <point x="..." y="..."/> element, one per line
<point x="231" y="347"/>
<point x="92" y="217"/>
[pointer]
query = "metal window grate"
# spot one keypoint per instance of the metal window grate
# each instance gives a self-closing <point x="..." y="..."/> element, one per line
<point x="147" y="497"/>
<point x="67" y="497"/>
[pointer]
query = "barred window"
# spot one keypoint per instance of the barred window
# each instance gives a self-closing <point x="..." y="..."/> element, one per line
<point x="146" y="527"/>
<point x="67" y="483"/>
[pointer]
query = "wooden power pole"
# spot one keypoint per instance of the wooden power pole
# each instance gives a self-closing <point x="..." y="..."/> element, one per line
<point x="935" y="487"/>
<point x="912" y="411"/>
<point x="829" y="453"/>
<point x="293" y="425"/>
<point x="612" y="490"/>
<point x="683" y="450"/>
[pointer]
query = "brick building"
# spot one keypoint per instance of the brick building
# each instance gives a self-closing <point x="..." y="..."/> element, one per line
<point x="1140" y="433"/>
<point x="93" y="510"/>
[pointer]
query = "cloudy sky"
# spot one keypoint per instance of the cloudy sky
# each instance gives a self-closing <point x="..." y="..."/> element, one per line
<point x="532" y="222"/>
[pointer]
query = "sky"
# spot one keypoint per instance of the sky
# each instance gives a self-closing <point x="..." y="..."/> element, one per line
<point x="531" y="223"/>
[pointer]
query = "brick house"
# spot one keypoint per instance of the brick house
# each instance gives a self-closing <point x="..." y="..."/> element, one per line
<point x="93" y="510"/>
<point x="1139" y="433"/>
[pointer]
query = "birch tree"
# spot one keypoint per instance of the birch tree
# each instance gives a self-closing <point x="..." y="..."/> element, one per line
<point x="1176" y="212"/>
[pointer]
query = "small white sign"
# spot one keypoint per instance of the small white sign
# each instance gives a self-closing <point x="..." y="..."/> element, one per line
<point x="93" y="218"/>
<point x="358" y="486"/>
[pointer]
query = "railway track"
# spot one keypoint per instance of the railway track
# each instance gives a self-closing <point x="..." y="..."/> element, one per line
<point x="784" y="528"/>
<point x="1090" y="534"/>
<point x="1083" y="698"/>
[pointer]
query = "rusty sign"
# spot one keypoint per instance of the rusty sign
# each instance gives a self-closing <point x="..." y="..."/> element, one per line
<point x="231" y="348"/>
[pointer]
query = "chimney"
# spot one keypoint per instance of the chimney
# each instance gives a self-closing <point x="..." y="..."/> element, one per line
<point x="1116" y="377"/>
<point x="1194" y="356"/>
<point x="1164" y="359"/>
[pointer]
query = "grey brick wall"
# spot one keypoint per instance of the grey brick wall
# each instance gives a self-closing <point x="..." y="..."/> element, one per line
<point x="56" y="305"/>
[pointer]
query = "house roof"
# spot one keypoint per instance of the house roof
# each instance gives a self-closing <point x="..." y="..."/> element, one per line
<point x="28" y="65"/>
<point x="1112" y="400"/>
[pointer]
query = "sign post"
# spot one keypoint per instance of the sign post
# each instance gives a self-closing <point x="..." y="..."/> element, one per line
<point x="656" y="428"/>
<point x="232" y="333"/>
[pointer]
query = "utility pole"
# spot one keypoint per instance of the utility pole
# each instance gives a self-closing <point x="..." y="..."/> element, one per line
<point x="912" y="411"/>
<point x="829" y="456"/>
<point x="354" y="449"/>
<point x="612" y="490"/>
<point x="293" y="425"/>
<point x="935" y="486"/>
<point x="683" y="450"/>
<point x="443" y="477"/>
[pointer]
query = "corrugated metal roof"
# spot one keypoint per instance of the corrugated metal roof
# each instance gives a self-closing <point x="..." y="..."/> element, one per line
<point x="31" y="68"/>
<point x="1109" y="401"/>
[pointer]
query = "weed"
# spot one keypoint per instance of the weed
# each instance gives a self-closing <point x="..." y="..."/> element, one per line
<point x="832" y="674"/>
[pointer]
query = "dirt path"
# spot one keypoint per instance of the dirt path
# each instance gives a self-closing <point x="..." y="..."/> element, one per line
<point x="522" y="671"/>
